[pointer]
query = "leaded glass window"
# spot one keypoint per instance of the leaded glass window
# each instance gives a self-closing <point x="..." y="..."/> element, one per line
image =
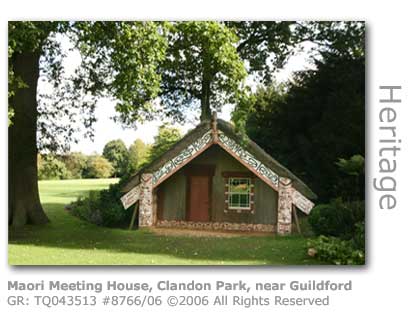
<point x="239" y="193"/>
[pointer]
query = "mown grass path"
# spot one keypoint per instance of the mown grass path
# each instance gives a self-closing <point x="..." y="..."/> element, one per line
<point x="70" y="241"/>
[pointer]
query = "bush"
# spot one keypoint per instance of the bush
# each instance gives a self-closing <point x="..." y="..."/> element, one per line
<point x="50" y="168"/>
<point x="103" y="208"/>
<point x="337" y="219"/>
<point x="359" y="236"/>
<point x="337" y="251"/>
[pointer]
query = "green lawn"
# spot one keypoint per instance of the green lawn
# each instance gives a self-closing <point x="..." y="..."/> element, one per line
<point x="70" y="241"/>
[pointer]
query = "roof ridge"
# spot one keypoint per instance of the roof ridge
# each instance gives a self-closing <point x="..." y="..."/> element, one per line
<point x="250" y="146"/>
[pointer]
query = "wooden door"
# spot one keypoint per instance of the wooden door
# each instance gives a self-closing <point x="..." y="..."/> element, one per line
<point x="199" y="198"/>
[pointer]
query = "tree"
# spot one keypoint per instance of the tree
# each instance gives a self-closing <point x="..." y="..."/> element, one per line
<point x="319" y="119"/>
<point x="138" y="155"/>
<point x="207" y="62"/>
<point x="51" y="168"/>
<point x="119" y="60"/>
<point x="75" y="163"/>
<point x="202" y="67"/>
<point x="166" y="138"/>
<point x="117" y="154"/>
<point x="98" y="167"/>
<point x="351" y="185"/>
<point x="185" y="64"/>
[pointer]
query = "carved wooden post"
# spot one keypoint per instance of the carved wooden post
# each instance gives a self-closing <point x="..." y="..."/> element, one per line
<point x="146" y="201"/>
<point x="284" y="206"/>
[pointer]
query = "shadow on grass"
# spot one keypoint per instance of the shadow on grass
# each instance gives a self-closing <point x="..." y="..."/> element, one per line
<point x="68" y="232"/>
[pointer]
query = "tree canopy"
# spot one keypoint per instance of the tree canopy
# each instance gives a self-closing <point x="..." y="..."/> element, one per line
<point x="167" y="136"/>
<point x="149" y="69"/>
<point x="308" y="126"/>
<point x="138" y="155"/>
<point x="98" y="167"/>
<point x="116" y="153"/>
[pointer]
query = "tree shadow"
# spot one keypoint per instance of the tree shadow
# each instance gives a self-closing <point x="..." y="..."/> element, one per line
<point x="68" y="232"/>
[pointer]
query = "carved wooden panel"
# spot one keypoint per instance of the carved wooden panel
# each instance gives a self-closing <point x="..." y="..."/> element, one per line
<point x="302" y="202"/>
<point x="183" y="157"/>
<point x="131" y="197"/>
<point x="248" y="158"/>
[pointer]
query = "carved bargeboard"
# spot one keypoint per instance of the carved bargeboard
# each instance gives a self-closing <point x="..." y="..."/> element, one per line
<point x="183" y="157"/>
<point x="249" y="159"/>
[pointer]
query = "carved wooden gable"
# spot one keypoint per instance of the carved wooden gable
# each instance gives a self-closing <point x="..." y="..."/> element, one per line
<point x="185" y="156"/>
<point x="250" y="161"/>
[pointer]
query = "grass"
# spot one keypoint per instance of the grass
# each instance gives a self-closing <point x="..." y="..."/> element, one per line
<point x="70" y="241"/>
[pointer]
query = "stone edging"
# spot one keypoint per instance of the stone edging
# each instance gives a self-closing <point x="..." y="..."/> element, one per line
<point x="217" y="226"/>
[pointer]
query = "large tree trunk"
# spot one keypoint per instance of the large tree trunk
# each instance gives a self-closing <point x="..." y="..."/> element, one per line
<point x="205" y="101"/>
<point x="24" y="199"/>
<point x="206" y="82"/>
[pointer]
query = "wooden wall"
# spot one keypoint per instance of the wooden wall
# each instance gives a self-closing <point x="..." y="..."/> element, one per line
<point x="174" y="192"/>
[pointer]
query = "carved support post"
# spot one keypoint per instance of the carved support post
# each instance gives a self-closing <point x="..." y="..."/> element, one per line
<point x="284" y="206"/>
<point x="146" y="201"/>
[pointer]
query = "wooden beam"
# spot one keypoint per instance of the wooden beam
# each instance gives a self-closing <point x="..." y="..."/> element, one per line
<point x="171" y="173"/>
<point x="297" y="223"/>
<point x="247" y="166"/>
<point x="134" y="214"/>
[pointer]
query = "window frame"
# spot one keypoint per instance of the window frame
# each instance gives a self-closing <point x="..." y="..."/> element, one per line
<point x="246" y="193"/>
<point x="227" y="192"/>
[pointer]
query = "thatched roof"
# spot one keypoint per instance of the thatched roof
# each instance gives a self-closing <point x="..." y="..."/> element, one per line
<point x="241" y="139"/>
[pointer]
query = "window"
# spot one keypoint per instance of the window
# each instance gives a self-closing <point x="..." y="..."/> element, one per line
<point x="239" y="190"/>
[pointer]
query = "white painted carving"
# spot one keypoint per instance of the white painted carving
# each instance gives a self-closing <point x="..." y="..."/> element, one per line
<point x="145" y="201"/>
<point x="302" y="202"/>
<point x="284" y="209"/>
<point x="248" y="158"/>
<point x="183" y="157"/>
<point x="131" y="197"/>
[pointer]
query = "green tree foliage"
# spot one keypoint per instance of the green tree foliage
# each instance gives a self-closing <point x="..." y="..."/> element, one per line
<point x="51" y="168"/>
<point x="118" y="60"/>
<point x="202" y="67"/>
<point x="98" y="167"/>
<point x="76" y="163"/>
<point x="185" y="64"/>
<point x="341" y="223"/>
<point x="138" y="155"/>
<point x="117" y="154"/>
<point x="166" y="138"/>
<point x="267" y="45"/>
<point x="351" y="183"/>
<point x="320" y="119"/>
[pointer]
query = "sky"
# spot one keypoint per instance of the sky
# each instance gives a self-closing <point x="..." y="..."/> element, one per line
<point x="106" y="129"/>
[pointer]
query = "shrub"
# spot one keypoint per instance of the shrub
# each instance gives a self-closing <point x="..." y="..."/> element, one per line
<point x="337" y="219"/>
<point x="50" y="168"/>
<point x="337" y="251"/>
<point x="359" y="236"/>
<point x="103" y="207"/>
<point x="87" y="208"/>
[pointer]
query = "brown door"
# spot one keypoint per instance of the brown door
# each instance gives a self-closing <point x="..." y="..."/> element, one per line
<point x="199" y="198"/>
